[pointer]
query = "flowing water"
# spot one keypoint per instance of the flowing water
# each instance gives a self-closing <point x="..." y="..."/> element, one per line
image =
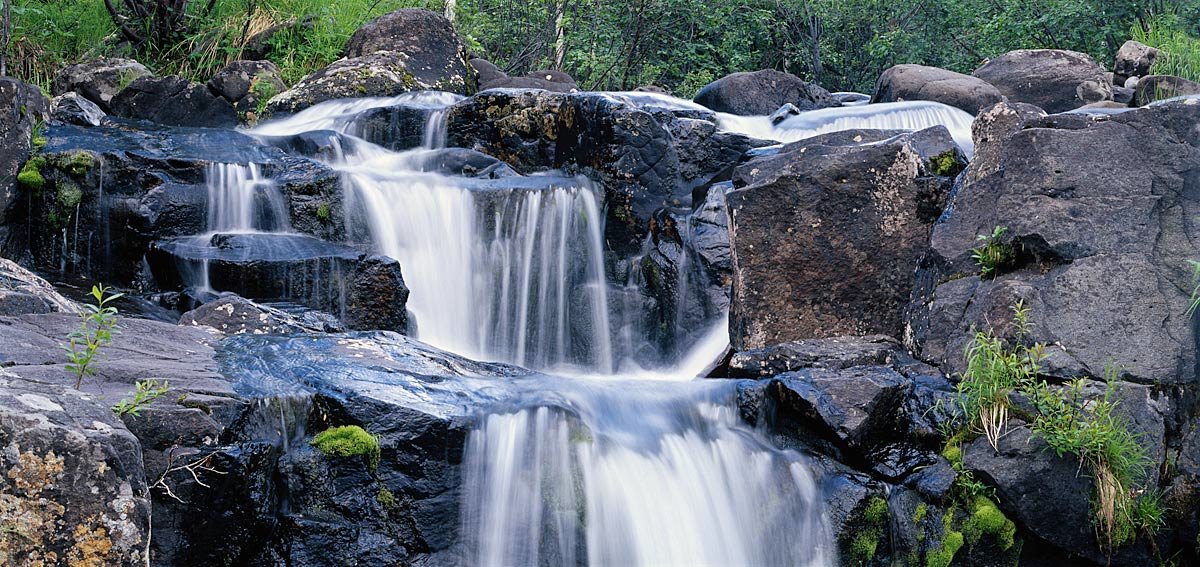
<point x="607" y="469"/>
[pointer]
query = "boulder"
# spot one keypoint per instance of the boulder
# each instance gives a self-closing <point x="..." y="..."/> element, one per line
<point x="1100" y="247"/>
<point x="856" y="407"/>
<point x="1161" y="87"/>
<point x="73" y="108"/>
<point x="247" y="84"/>
<point x="760" y="93"/>
<point x="529" y="83"/>
<point x="425" y="42"/>
<point x="74" y="490"/>
<point x="825" y="234"/>
<point x="1134" y="59"/>
<point x="234" y="315"/>
<point x="377" y="296"/>
<point x="919" y="82"/>
<point x="486" y="71"/>
<point x="1055" y="80"/>
<point x="173" y="101"/>
<point x="98" y="80"/>
<point x="22" y="291"/>
<point x="375" y="74"/>
<point x="834" y="353"/>
<point x="22" y="107"/>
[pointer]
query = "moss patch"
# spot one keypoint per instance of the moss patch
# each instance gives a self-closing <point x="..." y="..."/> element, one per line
<point x="865" y="543"/>
<point x="323" y="212"/>
<point x="987" y="520"/>
<point x="942" y="556"/>
<point x="348" y="441"/>
<point x="30" y="176"/>
<point x="945" y="164"/>
<point x="386" y="498"/>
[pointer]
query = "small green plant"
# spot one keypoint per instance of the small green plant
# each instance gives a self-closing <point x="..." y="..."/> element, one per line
<point x="944" y="555"/>
<point x="97" y="326"/>
<point x="348" y="441"/>
<point x="995" y="370"/>
<point x="30" y="176"/>
<point x="386" y="498"/>
<point x="37" y="137"/>
<point x="263" y="90"/>
<point x="144" y="393"/>
<point x="874" y="521"/>
<point x="945" y="163"/>
<point x="323" y="212"/>
<point x="986" y="519"/>
<point x="993" y="253"/>
<point x="1194" y="301"/>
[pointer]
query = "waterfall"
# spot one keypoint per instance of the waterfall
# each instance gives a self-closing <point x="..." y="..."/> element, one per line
<point x="241" y="200"/>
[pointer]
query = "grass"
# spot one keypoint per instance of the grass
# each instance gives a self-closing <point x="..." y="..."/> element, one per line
<point x="994" y="371"/>
<point x="348" y="441"/>
<point x="1179" y="52"/>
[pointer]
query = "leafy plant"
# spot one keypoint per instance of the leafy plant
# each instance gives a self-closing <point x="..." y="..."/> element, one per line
<point x="263" y="90"/>
<point x="994" y="371"/>
<point x="145" y="392"/>
<point x="1194" y="301"/>
<point x="994" y="252"/>
<point x="98" y="324"/>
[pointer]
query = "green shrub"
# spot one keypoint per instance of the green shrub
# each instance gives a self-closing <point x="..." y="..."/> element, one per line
<point x="145" y="392"/>
<point x="323" y="212"/>
<point x="994" y="254"/>
<point x="97" y="326"/>
<point x="348" y="441"/>
<point x="995" y="370"/>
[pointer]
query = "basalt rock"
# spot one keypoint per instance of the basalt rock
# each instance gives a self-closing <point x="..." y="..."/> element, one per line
<point x="377" y="74"/>
<point x="1134" y="59"/>
<point x="761" y="93"/>
<point x="98" y="80"/>
<point x="173" y="101"/>
<point x="247" y="84"/>
<point x="1055" y="80"/>
<point x="1161" y="87"/>
<point x="234" y="315"/>
<point x="73" y="108"/>
<point x="919" y="82"/>
<point x="433" y="52"/>
<point x="22" y="291"/>
<point x="22" y="107"/>
<point x="825" y="234"/>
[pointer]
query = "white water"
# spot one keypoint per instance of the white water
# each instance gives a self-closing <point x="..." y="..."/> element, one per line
<point x="241" y="200"/>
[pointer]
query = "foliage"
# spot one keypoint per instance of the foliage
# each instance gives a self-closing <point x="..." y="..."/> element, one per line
<point x="263" y="89"/>
<point x="1179" y="50"/>
<point x="945" y="163"/>
<point x="994" y="253"/>
<point x="97" y="326"/>
<point x="994" y="370"/>
<point x="145" y="392"/>
<point x="386" y="498"/>
<point x="348" y="441"/>
<point x="1194" y="301"/>
<point x="952" y="541"/>
<point x="875" y="517"/>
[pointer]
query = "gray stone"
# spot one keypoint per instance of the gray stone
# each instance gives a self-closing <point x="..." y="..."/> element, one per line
<point x="98" y="80"/>
<point x="22" y="292"/>
<point x="173" y="101"/>
<point x="761" y="93"/>
<point x="1055" y="80"/>
<point x="1134" y="59"/>
<point x="919" y="82"/>
<point x="1161" y="87"/>
<point x="73" y="108"/>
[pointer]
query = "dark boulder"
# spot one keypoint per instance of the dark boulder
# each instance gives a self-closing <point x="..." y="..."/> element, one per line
<point x="529" y="83"/>
<point x="425" y="42"/>
<point x="834" y="353"/>
<point x="825" y="234"/>
<point x="1100" y="246"/>
<point x="74" y="490"/>
<point x="1055" y="80"/>
<point x="247" y="85"/>
<point x="1134" y="59"/>
<point x="486" y="71"/>
<point x="377" y="296"/>
<point x="173" y="101"/>
<point x="919" y="82"/>
<point x="73" y="108"/>
<point x="760" y="93"/>
<point x="22" y="107"/>
<point x="376" y="74"/>
<point x="234" y="315"/>
<point x="855" y="407"/>
<point x="1161" y="87"/>
<point x="22" y="291"/>
<point x="98" y="80"/>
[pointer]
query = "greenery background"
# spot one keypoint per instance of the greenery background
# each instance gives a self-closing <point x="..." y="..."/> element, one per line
<point x="621" y="44"/>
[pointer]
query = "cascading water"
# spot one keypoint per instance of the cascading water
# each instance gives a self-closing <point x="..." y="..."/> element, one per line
<point x="241" y="200"/>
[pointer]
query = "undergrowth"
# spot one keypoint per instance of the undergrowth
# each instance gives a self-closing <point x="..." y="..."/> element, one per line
<point x="1179" y="52"/>
<point x="993" y="253"/>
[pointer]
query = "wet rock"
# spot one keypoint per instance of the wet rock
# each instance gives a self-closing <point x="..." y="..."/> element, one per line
<point x="22" y="107"/>
<point x="825" y="234"/>
<point x="1134" y="59"/>
<point x="704" y="151"/>
<point x="833" y="353"/>
<point x="173" y="101"/>
<point x="760" y="93"/>
<point x="22" y="291"/>
<point x="1162" y="87"/>
<point x="461" y="162"/>
<point x="919" y="82"/>
<point x="98" y="80"/>
<point x="432" y="52"/>
<point x="377" y="74"/>
<point x="1055" y="80"/>
<point x="74" y="489"/>
<point x="1094" y="296"/>
<point x="856" y="407"/>
<point x="1122" y="96"/>
<point x="406" y="124"/>
<point x="73" y="108"/>
<point x="234" y="315"/>
<point x="486" y="71"/>
<point x="529" y="83"/>
<point x="314" y="197"/>
<point x="377" y="296"/>
<point x="247" y="84"/>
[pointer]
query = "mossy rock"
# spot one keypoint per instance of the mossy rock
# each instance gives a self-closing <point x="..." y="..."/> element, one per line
<point x="30" y="176"/>
<point x="348" y="441"/>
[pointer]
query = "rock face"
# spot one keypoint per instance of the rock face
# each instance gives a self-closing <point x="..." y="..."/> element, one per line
<point x="173" y="101"/>
<point x="1134" y="59"/>
<point x="1055" y="80"/>
<point x="919" y="82"/>
<point x="760" y="93"/>
<point x="432" y="51"/>
<point x="1101" y="246"/>
<point x="382" y="73"/>
<point x="74" y="490"/>
<point x="826" y="233"/>
<point x="98" y="80"/>
<point x="72" y="108"/>
<point x="234" y="315"/>
<point x="22" y="107"/>
<point x="22" y="291"/>
<point x="1160" y="87"/>
<point x="246" y="84"/>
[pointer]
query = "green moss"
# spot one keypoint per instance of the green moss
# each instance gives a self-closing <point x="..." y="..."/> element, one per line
<point x="323" y="212"/>
<point x="945" y="163"/>
<point x="30" y="176"/>
<point x="386" y="498"/>
<point x="944" y="555"/>
<point x="987" y="520"/>
<point x="953" y="453"/>
<point x="69" y="195"/>
<point x="876" y="512"/>
<point x="76" y="163"/>
<point x="862" y="549"/>
<point x="920" y="513"/>
<point x="865" y="543"/>
<point x="348" y="441"/>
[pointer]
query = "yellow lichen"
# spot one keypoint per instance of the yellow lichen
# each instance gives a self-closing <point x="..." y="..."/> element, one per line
<point x="92" y="547"/>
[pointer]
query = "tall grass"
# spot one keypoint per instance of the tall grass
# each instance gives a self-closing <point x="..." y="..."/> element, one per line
<point x="1179" y="51"/>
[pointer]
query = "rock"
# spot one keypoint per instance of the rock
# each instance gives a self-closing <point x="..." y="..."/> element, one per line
<point x="1055" y="80"/>
<point x="73" y="108"/>
<point x="1131" y="83"/>
<point x="1122" y="96"/>
<point x="919" y="82"/>
<point x="404" y="125"/>
<point x="22" y="107"/>
<point x="314" y="198"/>
<point x="826" y="233"/>
<point x="1134" y="59"/>
<point x="376" y="74"/>
<point x="22" y="291"/>
<point x="173" y="101"/>
<point x="834" y="353"/>
<point x="431" y="50"/>
<point x="552" y="76"/>
<point x="704" y="150"/>
<point x="377" y="296"/>
<point x="1160" y="87"/>
<point x="786" y="111"/>
<point x="98" y="80"/>
<point x="234" y="315"/>
<point x="74" y="490"/>
<point x="855" y="407"/>
<point x="486" y="71"/>
<point x="1101" y="247"/>
<point x="760" y="93"/>
<point x="247" y="84"/>
<point x="529" y="83"/>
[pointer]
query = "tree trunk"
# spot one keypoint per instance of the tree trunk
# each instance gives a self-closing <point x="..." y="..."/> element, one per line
<point x="450" y="6"/>
<point x="560" y="34"/>
<point x="7" y="37"/>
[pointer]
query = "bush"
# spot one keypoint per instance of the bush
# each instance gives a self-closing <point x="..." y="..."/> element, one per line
<point x="97" y="326"/>
<point x="348" y="441"/>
